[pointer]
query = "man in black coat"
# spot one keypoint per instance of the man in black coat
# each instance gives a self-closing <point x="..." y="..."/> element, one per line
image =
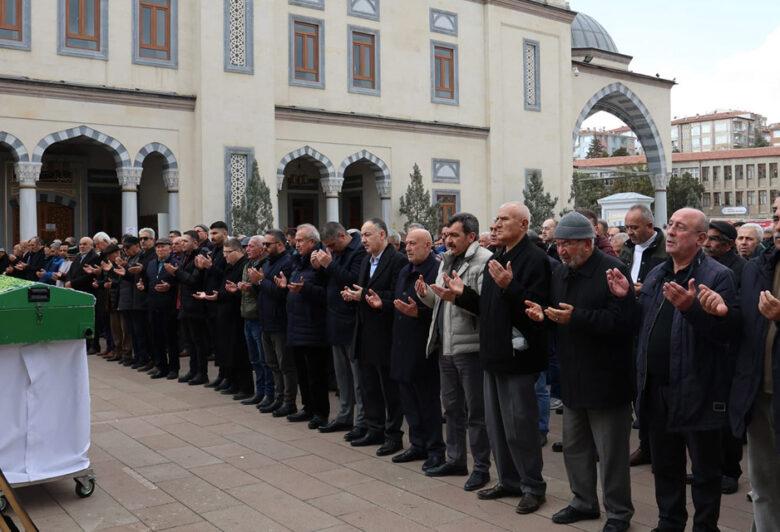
<point x="340" y="264"/>
<point x="373" y="340"/>
<point x="139" y="315"/>
<point x="211" y="261"/>
<point x="416" y="373"/>
<point x="272" y="312"/>
<point x="32" y="261"/>
<point x="755" y="393"/>
<point x="160" y="285"/>
<point x="191" y="309"/>
<point x="593" y="331"/>
<point x="513" y="351"/>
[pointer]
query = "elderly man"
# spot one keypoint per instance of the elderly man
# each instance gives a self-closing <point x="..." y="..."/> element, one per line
<point x="340" y="264"/>
<point x="191" y="311"/>
<point x="754" y="403"/>
<point x="33" y="260"/>
<point x="684" y="375"/>
<point x="547" y="236"/>
<point x="417" y="374"/>
<point x="139" y="315"/>
<point x="749" y="241"/>
<point x="374" y="295"/>
<point x="306" y="338"/>
<point x="513" y="351"/>
<point x="454" y="340"/>
<point x="593" y="333"/>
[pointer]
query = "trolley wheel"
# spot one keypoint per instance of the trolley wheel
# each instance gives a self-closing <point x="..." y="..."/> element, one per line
<point x="85" y="488"/>
<point x="3" y="503"/>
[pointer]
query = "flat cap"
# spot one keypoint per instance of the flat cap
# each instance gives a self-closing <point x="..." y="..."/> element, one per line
<point x="574" y="226"/>
<point x="163" y="241"/>
<point x="725" y="228"/>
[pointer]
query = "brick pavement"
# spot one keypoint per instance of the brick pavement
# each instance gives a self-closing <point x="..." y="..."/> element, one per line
<point x="176" y="457"/>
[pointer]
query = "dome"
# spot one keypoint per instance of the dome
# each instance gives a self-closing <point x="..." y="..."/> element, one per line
<point x="586" y="32"/>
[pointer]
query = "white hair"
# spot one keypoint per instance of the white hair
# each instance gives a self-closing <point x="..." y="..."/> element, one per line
<point x="756" y="228"/>
<point x="101" y="237"/>
<point x="310" y="231"/>
<point x="148" y="230"/>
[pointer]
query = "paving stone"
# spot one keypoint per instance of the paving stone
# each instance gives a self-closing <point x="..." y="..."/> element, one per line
<point x="243" y="519"/>
<point x="197" y="494"/>
<point x="167" y="516"/>
<point x="190" y="456"/>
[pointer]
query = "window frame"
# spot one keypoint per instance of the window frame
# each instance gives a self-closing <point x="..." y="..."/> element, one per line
<point x="351" y="87"/>
<point x="314" y="4"/>
<point x="361" y="14"/>
<point x="292" y="67"/>
<point x="63" y="33"/>
<point x="437" y="192"/>
<point x="249" y="67"/>
<point x="173" y="38"/>
<point x="434" y="13"/>
<point x="438" y="164"/>
<point x="455" y="100"/>
<point x="537" y="105"/>
<point x="23" y="27"/>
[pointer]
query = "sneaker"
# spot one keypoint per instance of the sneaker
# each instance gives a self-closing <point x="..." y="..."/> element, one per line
<point x="555" y="403"/>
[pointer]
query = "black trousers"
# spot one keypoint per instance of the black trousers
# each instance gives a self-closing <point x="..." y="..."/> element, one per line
<point x="732" y="454"/>
<point x="195" y="330"/>
<point x="311" y="364"/>
<point x="142" y="342"/>
<point x="421" y="405"/>
<point x="381" y="401"/>
<point x="165" y="339"/>
<point x="211" y="333"/>
<point x="669" y="467"/>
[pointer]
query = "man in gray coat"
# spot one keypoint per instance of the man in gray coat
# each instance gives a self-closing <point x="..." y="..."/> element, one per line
<point x="454" y="334"/>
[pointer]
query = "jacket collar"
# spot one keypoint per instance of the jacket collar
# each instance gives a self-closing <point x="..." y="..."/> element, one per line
<point x="384" y="259"/>
<point x="589" y="268"/>
<point x="504" y="256"/>
<point x="425" y="265"/>
<point x="659" y="239"/>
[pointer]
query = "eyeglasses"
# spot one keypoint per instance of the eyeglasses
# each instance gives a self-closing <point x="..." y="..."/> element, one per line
<point x="145" y="238"/>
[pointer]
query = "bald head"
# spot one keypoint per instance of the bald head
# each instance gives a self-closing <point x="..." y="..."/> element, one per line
<point x="686" y="234"/>
<point x="511" y="223"/>
<point x="418" y="245"/>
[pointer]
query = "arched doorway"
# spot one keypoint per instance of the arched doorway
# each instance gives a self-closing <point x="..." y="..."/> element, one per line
<point x="158" y="191"/>
<point x="12" y="154"/>
<point x="300" y="177"/>
<point x="366" y="190"/>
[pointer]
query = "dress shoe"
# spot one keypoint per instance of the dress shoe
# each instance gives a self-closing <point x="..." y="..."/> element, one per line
<point x="127" y="362"/>
<point x="355" y="434"/>
<point x="232" y="390"/>
<point x="173" y="374"/>
<point x="728" y="485"/>
<point x="557" y="447"/>
<point x="158" y="375"/>
<point x="224" y="385"/>
<point x="433" y="460"/>
<point x="135" y="365"/>
<point x="369" y="438"/>
<point x="187" y="377"/>
<point x="571" y="515"/>
<point x="300" y="416"/>
<point x="389" y="447"/>
<point x="267" y="409"/>
<point x="315" y="423"/>
<point x="216" y="382"/>
<point x="106" y="354"/>
<point x="254" y="400"/>
<point x="147" y="365"/>
<point x="267" y="401"/>
<point x="113" y="358"/>
<point x="242" y="396"/>
<point x="198" y="379"/>
<point x="529" y="503"/>
<point x="477" y="480"/>
<point x="335" y="426"/>
<point x="448" y="469"/>
<point x="152" y="371"/>
<point x="92" y="351"/>
<point x="615" y="525"/>
<point x="285" y="410"/>
<point x="410" y="455"/>
<point x="496" y="492"/>
<point x="639" y="457"/>
<point x="542" y="439"/>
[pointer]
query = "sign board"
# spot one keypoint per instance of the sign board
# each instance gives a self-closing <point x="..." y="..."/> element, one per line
<point x="733" y="210"/>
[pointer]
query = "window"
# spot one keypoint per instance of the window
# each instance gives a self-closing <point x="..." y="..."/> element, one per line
<point x="444" y="22"/>
<point x="238" y="168"/>
<point x="364" y="61"/>
<point x="722" y="125"/>
<point x="727" y="173"/>
<point x="739" y="171"/>
<point x="722" y="138"/>
<point x="83" y="28"/>
<point x="762" y="197"/>
<point x="751" y="197"/>
<point x="751" y="171"/>
<point x="446" y="171"/>
<point x="15" y="24"/>
<point x="706" y="141"/>
<point x="315" y="4"/>
<point x="705" y="174"/>
<point x="773" y="170"/>
<point x="716" y="199"/>
<point x="449" y="204"/>
<point x="363" y="8"/>
<point x="739" y="197"/>
<point x="716" y="174"/>
<point x="727" y="199"/>
<point x="306" y="59"/>
<point x="444" y="61"/>
<point x="532" y="91"/>
<point x="762" y="171"/>
<point x="706" y="201"/>
<point x="155" y="33"/>
<point x="238" y="31"/>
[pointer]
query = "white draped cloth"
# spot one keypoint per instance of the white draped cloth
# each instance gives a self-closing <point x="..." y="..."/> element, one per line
<point x="44" y="410"/>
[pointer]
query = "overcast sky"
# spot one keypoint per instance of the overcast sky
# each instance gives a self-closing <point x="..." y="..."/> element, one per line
<point x="725" y="54"/>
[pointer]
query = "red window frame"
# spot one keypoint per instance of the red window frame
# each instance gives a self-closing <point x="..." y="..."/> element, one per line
<point x="153" y="44"/>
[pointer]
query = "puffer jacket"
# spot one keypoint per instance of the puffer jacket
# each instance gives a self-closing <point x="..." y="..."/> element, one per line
<point x="461" y="327"/>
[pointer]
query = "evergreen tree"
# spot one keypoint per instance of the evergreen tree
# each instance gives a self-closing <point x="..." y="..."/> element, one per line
<point x="620" y="152"/>
<point x="683" y="191"/>
<point x="585" y="191"/>
<point x="539" y="203"/>
<point x="760" y="141"/>
<point x="596" y="149"/>
<point x="254" y="214"/>
<point x="416" y="204"/>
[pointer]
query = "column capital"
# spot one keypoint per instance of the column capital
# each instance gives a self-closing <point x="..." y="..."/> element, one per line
<point x="384" y="187"/>
<point x="171" y="179"/>
<point x="659" y="181"/>
<point x="331" y="186"/>
<point x="129" y="178"/>
<point x="27" y="173"/>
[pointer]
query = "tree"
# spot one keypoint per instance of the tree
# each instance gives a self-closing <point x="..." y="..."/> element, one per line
<point x="683" y="191"/>
<point x="760" y="141"/>
<point x="539" y="203"/>
<point x="596" y="149"/>
<point x="632" y="179"/>
<point x="586" y="190"/>
<point x="620" y="152"/>
<point x="254" y="214"/>
<point x="416" y="204"/>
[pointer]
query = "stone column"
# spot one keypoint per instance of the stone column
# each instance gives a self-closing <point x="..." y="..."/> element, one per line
<point x="27" y="175"/>
<point x="384" y="187"/>
<point x="660" y="182"/>
<point x="331" y="187"/>
<point x="129" y="179"/>
<point x="171" y="178"/>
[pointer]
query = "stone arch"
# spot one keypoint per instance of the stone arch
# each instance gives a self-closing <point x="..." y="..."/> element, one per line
<point x="61" y="199"/>
<point x="323" y="164"/>
<point x="382" y="172"/>
<point x="15" y="145"/>
<point x="157" y="147"/>
<point x="120" y="153"/>
<point x="619" y="100"/>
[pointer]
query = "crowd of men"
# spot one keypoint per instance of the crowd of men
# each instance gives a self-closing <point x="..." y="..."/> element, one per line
<point x="670" y="329"/>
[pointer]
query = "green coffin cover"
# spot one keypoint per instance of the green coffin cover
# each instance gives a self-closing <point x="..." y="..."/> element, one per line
<point x="35" y="312"/>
